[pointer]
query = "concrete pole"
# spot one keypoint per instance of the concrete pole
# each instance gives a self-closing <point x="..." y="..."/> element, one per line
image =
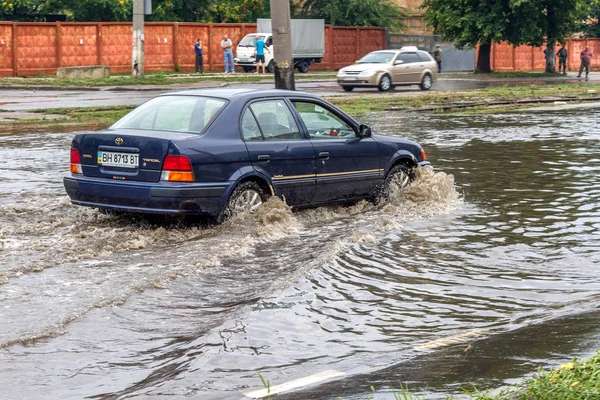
<point x="282" y="43"/>
<point x="137" y="58"/>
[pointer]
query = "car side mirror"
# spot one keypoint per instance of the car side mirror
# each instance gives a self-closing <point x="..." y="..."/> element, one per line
<point x="398" y="62"/>
<point x="364" y="131"/>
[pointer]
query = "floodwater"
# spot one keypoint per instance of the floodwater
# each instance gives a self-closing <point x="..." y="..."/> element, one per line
<point x="480" y="272"/>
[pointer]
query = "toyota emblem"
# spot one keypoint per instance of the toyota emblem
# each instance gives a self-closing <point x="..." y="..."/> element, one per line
<point x="119" y="141"/>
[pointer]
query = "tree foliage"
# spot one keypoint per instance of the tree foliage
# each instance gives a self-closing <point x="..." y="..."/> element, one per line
<point x="547" y="21"/>
<point x="356" y="12"/>
<point x="468" y="23"/>
<point x="483" y="22"/>
<point x="237" y="10"/>
<point x="590" y="26"/>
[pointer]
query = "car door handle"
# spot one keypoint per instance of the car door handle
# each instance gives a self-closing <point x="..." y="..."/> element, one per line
<point x="264" y="158"/>
<point x="324" y="154"/>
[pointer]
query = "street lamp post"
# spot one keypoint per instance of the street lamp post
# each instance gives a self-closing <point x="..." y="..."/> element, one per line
<point x="282" y="43"/>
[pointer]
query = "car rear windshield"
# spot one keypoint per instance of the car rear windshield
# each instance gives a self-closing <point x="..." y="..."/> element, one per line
<point x="190" y="114"/>
<point x="377" y="58"/>
<point x="249" y="40"/>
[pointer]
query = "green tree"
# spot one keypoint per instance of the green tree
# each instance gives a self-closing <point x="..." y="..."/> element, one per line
<point x="25" y="10"/>
<point x="237" y="10"/>
<point x="469" y="23"/>
<point x="549" y="21"/>
<point x="356" y="12"/>
<point x="591" y="21"/>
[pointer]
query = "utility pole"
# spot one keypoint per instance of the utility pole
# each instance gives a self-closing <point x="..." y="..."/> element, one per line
<point x="137" y="60"/>
<point x="282" y="43"/>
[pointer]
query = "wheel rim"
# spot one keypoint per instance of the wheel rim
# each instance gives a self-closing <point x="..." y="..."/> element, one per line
<point x="247" y="202"/>
<point x="427" y="82"/>
<point x="400" y="179"/>
<point x="385" y="83"/>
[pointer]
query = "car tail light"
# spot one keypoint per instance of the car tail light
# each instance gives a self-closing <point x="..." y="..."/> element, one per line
<point x="423" y="155"/>
<point x="75" y="161"/>
<point x="177" y="169"/>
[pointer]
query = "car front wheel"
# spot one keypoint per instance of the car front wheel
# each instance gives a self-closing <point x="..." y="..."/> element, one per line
<point x="399" y="177"/>
<point x="271" y="66"/>
<point x="426" y="82"/>
<point x="244" y="199"/>
<point x="385" y="83"/>
<point x="348" y="88"/>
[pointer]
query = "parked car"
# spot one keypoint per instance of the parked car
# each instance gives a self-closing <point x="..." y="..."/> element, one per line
<point x="221" y="151"/>
<point x="385" y="69"/>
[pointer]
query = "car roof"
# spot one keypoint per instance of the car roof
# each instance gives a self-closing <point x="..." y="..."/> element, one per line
<point x="239" y="93"/>
<point x="405" y="49"/>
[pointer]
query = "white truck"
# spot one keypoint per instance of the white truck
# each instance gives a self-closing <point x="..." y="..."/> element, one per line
<point x="308" y="44"/>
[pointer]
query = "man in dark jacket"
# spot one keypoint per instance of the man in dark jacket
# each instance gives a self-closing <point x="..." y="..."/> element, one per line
<point x="199" y="61"/>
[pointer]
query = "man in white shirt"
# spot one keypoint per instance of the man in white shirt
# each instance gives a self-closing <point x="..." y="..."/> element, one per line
<point x="227" y="47"/>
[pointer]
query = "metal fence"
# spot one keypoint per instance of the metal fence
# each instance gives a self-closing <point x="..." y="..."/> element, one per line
<point x="453" y="59"/>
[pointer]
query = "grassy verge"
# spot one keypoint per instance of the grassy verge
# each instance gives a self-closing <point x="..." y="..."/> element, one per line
<point x="101" y="117"/>
<point x="506" y="75"/>
<point x="357" y="105"/>
<point x="65" y="119"/>
<point x="159" y="79"/>
<point x="575" y="380"/>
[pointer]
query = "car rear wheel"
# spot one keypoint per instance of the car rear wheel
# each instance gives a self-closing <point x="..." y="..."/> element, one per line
<point x="303" y="66"/>
<point x="348" y="88"/>
<point x="244" y="199"/>
<point x="385" y="83"/>
<point x="426" y="83"/>
<point x="399" y="177"/>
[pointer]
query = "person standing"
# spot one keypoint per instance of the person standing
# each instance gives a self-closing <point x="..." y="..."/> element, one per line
<point x="586" y="59"/>
<point x="259" y="52"/>
<point x="227" y="47"/>
<point x="562" y="59"/>
<point x="437" y="55"/>
<point x="199" y="60"/>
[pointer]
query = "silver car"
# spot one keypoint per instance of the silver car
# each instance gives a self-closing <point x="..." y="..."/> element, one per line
<point x="385" y="69"/>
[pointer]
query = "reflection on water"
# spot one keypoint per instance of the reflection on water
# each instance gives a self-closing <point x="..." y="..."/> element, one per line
<point x="123" y="308"/>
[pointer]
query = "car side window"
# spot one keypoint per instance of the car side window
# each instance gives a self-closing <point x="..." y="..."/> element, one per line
<point x="409" y="58"/>
<point x="322" y="123"/>
<point x="275" y="120"/>
<point x="250" y="129"/>
<point x="424" y="56"/>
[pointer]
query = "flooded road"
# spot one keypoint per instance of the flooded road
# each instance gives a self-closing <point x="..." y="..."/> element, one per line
<point x="477" y="279"/>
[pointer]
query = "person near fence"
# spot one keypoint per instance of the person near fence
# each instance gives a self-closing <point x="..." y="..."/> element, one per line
<point x="437" y="55"/>
<point x="562" y="59"/>
<point x="259" y="53"/>
<point x="227" y="46"/>
<point x="199" y="61"/>
<point x="586" y="59"/>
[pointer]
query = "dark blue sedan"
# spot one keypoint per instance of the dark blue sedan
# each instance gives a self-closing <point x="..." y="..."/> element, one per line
<point x="223" y="151"/>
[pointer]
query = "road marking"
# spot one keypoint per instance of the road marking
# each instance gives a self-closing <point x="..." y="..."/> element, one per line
<point x="308" y="380"/>
<point x="450" y="340"/>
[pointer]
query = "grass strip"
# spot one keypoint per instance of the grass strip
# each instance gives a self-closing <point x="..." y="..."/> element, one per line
<point x="157" y="79"/>
<point x="359" y="105"/>
<point x="575" y="380"/>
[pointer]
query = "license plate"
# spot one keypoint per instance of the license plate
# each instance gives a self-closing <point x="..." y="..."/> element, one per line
<point x="123" y="160"/>
<point x="351" y="78"/>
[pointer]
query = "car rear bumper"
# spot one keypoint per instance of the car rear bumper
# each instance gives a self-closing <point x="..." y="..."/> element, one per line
<point x="148" y="197"/>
